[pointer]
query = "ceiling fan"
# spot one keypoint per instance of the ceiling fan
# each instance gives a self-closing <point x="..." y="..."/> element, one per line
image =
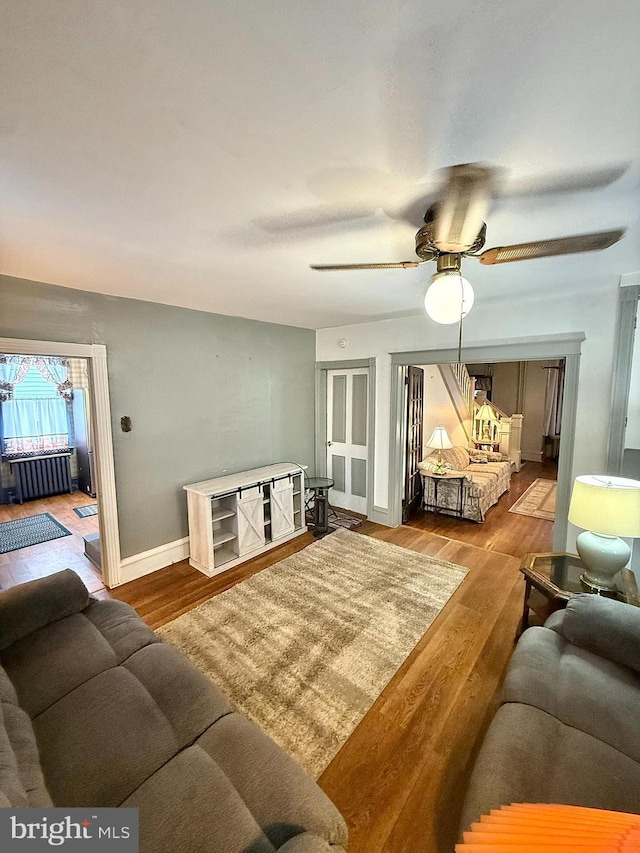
<point x="454" y="229"/>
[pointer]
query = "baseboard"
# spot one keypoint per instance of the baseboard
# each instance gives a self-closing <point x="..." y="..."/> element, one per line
<point x="147" y="562"/>
<point x="380" y="516"/>
<point x="531" y="457"/>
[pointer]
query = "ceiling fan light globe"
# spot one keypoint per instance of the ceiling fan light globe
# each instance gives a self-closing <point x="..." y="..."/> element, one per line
<point x="449" y="298"/>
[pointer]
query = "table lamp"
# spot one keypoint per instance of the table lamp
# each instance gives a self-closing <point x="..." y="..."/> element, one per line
<point x="486" y="417"/>
<point x="439" y="440"/>
<point x="606" y="508"/>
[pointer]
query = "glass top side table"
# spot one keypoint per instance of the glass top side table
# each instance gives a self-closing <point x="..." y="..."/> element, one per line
<point x="556" y="576"/>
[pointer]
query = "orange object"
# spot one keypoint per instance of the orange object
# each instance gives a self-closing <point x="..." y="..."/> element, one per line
<point x="552" y="828"/>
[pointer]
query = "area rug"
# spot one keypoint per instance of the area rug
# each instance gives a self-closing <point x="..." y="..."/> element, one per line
<point x="338" y="518"/>
<point x="23" y="532"/>
<point x="306" y="646"/>
<point x="539" y="501"/>
<point x="86" y="511"/>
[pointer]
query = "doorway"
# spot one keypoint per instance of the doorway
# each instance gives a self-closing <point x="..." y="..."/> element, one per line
<point x="524" y="431"/>
<point x="348" y="437"/>
<point x="96" y="361"/>
<point x="345" y="433"/>
<point x="565" y="347"/>
<point x="47" y="482"/>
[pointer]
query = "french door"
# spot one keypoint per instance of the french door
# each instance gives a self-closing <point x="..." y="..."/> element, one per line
<point x="347" y="437"/>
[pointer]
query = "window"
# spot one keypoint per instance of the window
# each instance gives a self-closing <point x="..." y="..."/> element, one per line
<point x="35" y="419"/>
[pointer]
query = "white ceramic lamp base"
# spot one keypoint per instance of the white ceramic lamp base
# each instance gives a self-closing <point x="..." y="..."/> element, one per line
<point x="604" y="556"/>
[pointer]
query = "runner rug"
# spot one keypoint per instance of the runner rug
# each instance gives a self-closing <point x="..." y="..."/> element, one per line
<point x="22" y="532"/>
<point x="306" y="646"/>
<point x="539" y="501"/>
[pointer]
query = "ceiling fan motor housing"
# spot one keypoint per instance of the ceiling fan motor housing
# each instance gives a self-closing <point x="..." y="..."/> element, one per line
<point x="426" y="249"/>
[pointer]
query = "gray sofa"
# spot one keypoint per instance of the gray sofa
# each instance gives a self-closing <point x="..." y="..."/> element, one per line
<point x="568" y="728"/>
<point x="96" y="711"/>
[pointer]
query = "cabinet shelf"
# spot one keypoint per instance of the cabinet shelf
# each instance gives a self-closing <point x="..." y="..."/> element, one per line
<point x="219" y="514"/>
<point x="225" y="555"/>
<point x="222" y="536"/>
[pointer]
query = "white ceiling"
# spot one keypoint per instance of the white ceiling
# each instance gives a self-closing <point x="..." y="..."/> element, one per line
<point x="189" y="151"/>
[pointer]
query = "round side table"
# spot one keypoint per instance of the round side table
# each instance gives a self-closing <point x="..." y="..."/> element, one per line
<point x="320" y="487"/>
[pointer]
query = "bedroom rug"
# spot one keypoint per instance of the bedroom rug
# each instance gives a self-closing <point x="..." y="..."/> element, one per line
<point x="306" y="646"/>
<point x="86" y="511"/>
<point x="539" y="501"/>
<point x="23" y="532"/>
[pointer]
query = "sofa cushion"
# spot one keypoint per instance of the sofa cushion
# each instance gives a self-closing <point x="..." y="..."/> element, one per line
<point x="49" y="663"/>
<point x="234" y="790"/>
<point x="530" y="756"/>
<point x="457" y="457"/>
<point x="189" y="805"/>
<point x="107" y="736"/>
<point x="605" y="627"/>
<point x="550" y="673"/>
<point x="29" y="606"/>
<point x="21" y="781"/>
<point x="282" y="797"/>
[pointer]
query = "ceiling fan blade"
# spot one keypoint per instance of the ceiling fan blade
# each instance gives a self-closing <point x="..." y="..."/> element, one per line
<point x="399" y="265"/>
<point x="463" y="206"/>
<point x="546" y="248"/>
<point x="564" y="182"/>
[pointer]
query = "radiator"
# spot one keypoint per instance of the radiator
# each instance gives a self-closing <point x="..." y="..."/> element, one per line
<point x="40" y="476"/>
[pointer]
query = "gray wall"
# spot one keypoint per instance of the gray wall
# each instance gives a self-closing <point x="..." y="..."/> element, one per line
<point x="206" y="394"/>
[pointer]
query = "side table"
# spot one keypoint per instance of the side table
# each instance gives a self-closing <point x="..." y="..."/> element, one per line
<point x="433" y="499"/>
<point x="552" y="578"/>
<point x="320" y="487"/>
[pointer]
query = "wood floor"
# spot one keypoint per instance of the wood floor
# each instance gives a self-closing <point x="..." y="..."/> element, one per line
<point x="400" y="778"/>
<point x="48" y="557"/>
<point x="502" y="530"/>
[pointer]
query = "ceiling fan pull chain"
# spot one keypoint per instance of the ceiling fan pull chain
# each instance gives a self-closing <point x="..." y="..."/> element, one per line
<point x="460" y="337"/>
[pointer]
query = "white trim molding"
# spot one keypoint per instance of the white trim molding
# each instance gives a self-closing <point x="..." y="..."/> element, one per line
<point x="150" y="561"/>
<point x="96" y="355"/>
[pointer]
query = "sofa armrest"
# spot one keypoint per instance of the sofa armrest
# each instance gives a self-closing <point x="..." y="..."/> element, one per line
<point x="29" y="606"/>
<point x="603" y="626"/>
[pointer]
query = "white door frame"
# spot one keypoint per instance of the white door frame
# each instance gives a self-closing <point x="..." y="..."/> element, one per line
<point x="322" y="368"/>
<point x="520" y="349"/>
<point x="96" y="355"/>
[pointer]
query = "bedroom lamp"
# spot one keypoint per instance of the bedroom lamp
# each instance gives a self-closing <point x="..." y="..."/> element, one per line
<point x="486" y="417"/>
<point x="606" y="508"/>
<point x="439" y="440"/>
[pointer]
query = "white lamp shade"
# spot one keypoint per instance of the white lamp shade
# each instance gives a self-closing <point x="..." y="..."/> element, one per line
<point x="449" y="298"/>
<point x="604" y="504"/>
<point x="486" y="413"/>
<point x="439" y="440"/>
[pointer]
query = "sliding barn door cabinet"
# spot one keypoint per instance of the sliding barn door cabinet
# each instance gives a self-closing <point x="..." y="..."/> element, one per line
<point x="239" y="516"/>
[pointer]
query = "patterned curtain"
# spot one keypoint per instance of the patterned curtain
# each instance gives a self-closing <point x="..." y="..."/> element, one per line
<point x="55" y="370"/>
<point x="13" y="369"/>
<point x="35" y="426"/>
